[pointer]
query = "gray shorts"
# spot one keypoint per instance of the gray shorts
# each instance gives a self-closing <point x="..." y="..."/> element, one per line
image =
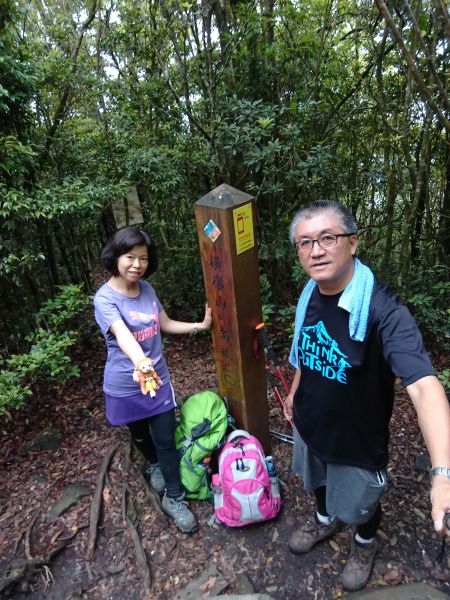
<point x="352" y="493"/>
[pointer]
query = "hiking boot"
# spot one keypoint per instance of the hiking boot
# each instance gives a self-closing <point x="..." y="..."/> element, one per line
<point x="309" y="534"/>
<point x="357" y="570"/>
<point x="155" y="478"/>
<point x="178" y="509"/>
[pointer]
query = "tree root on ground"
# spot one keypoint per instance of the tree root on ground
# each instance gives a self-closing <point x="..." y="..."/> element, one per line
<point x="22" y="570"/>
<point x="140" y="552"/>
<point x="27" y="531"/>
<point x="152" y="496"/>
<point x="96" y="503"/>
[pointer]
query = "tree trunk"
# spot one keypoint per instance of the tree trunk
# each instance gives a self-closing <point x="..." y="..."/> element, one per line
<point x="411" y="214"/>
<point x="444" y="222"/>
<point x="388" y="158"/>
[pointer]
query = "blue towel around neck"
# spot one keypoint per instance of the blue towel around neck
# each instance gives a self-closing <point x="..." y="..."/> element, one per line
<point x="355" y="299"/>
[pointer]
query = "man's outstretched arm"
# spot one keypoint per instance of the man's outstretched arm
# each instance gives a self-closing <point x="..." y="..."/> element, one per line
<point x="433" y="412"/>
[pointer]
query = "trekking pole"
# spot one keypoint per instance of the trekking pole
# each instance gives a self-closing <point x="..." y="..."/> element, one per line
<point x="282" y="437"/>
<point x="272" y="361"/>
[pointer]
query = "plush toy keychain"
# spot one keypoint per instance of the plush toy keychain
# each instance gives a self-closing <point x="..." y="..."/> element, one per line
<point x="148" y="378"/>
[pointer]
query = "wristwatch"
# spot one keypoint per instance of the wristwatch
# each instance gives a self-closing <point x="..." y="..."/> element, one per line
<point x="440" y="471"/>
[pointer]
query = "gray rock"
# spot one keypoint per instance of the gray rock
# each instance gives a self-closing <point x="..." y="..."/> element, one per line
<point x="70" y="495"/>
<point x="412" y="591"/>
<point x="243" y="584"/>
<point x="48" y="439"/>
<point x="242" y="597"/>
<point x="209" y="584"/>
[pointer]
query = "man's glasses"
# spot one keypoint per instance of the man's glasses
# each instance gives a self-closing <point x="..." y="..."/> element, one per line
<point x="325" y="241"/>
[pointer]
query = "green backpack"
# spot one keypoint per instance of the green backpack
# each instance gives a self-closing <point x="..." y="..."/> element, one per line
<point x="202" y="426"/>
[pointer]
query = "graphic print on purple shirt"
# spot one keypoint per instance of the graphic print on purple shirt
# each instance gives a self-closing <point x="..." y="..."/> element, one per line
<point x="141" y="316"/>
<point x="148" y="332"/>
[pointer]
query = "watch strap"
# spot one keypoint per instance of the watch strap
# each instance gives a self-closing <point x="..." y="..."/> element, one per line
<point x="440" y="471"/>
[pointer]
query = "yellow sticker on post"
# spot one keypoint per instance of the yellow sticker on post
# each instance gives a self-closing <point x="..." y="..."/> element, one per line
<point x="243" y="228"/>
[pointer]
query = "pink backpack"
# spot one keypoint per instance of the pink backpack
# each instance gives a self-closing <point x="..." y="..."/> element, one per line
<point x="244" y="493"/>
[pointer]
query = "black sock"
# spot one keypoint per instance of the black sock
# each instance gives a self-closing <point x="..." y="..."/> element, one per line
<point x="321" y="494"/>
<point x="368" y="530"/>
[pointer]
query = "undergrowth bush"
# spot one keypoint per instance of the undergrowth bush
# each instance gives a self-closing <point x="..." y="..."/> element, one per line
<point x="58" y="325"/>
<point x="429" y="303"/>
<point x="179" y="284"/>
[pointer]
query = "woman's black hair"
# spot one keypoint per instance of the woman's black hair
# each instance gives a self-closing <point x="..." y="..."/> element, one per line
<point x="122" y="242"/>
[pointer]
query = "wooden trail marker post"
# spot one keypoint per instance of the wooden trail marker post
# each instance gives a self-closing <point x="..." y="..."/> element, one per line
<point x="226" y="230"/>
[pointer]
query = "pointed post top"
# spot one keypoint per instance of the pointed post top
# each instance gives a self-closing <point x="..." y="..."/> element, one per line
<point x="224" y="196"/>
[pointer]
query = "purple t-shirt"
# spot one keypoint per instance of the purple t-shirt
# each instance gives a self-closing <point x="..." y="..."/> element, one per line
<point x="141" y="316"/>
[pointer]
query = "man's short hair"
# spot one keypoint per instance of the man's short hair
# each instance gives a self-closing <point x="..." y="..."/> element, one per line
<point x="346" y="218"/>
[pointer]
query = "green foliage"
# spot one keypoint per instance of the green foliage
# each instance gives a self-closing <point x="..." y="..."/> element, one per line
<point x="19" y="81"/>
<point x="64" y="309"/>
<point x="444" y="378"/>
<point x="287" y="101"/>
<point x="12" y="265"/>
<point x="16" y="159"/>
<point x="286" y="315"/>
<point x="72" y="197"/>
<point x="266" y="144"/>
<point x="47" y="358"/>
<point x="267" y="312"/>
<point x="179" y="283"/>
<point x="266" y="294"/>
<point x="299" y="277"/>
<point x="266" y="288"/>
<point x="430" y="306"/>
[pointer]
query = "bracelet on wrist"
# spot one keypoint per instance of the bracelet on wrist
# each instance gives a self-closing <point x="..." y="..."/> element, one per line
<point x="195" y="330"/>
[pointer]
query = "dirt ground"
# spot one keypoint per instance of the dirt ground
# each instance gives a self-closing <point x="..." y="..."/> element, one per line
<point x="31" y="481"/>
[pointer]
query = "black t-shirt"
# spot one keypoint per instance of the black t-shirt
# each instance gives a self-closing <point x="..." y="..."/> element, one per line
<point x="344" y="401"/>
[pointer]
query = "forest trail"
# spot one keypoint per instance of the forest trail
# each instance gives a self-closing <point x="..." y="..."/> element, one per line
<point x="32" y="480"/>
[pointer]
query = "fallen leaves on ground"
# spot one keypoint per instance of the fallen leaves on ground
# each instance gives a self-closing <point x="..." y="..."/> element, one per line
<point x="407" y="542"/>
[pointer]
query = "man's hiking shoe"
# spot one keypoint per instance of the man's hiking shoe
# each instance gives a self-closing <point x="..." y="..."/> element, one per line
<point x="309" y="534"/>
<point x="155" y="478"/>
<point x="357" y="570"/>
<point x="178" y="509"/>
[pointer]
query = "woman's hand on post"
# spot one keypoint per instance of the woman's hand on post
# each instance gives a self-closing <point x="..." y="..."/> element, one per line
<point x="207" y="321"/>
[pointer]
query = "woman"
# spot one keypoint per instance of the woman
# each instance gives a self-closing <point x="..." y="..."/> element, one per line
<point x="131" y="319"/>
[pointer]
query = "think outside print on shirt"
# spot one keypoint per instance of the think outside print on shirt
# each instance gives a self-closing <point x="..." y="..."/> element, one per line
<point x="318" y="351"/>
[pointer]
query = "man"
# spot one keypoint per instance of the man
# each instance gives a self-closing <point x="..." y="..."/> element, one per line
<point x="352" y="337"/>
